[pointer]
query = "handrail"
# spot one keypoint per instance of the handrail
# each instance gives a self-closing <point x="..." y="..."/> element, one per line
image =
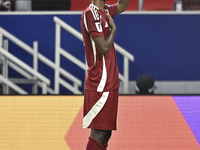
<point x="25" y="66"/>
<point x="73" y="59"/>
<point x="16" y="41"/>
<point x="122" y="51"/>
<point x="68" y="28"/>
<point x="12" y="85"/>
<point x="58" y="52"/>
<point x="77" y="82"/>
<point x="27" y="75"/>
<point x="40" y="57"/>
<point x="64" y="83"/>
<point x="62" y="71"/>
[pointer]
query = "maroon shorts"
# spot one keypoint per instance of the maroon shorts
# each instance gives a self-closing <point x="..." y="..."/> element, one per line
<point x="100" y="109"/>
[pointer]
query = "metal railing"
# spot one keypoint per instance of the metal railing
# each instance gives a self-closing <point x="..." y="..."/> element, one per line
<point x="60" y="51"/>
<point x="17" y="64"/>
<point x="140" y="5"/>
<point x="27" y="68"/>
<point x="127" y="56"/>
<point x="12" y="85"/>
<point x="37" y="56"/>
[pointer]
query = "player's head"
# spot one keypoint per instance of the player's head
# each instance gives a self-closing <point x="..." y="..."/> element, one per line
<point x="145" y="85"/>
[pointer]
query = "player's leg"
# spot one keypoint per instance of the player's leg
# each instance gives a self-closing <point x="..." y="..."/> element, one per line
<point x="99" y="139"/>
<point x="93" y="144"/>
<point x="96" y="139"/>
<point x="98" y="135"/>
<point x="106" y="139"/>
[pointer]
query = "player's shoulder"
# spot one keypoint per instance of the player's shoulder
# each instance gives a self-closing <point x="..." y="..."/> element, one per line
<point x="92" y="12"/>
<point x="91" y="8"/>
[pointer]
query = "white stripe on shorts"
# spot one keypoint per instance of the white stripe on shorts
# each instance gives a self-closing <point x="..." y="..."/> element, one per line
<point x="95" y="110"/>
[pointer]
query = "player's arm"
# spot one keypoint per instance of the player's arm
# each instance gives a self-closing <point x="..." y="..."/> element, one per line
<point x="103" y="45"/>
<point x="122" y="4"/>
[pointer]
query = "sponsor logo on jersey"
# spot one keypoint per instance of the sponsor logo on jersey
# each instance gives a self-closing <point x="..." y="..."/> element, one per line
<point x="98" y="26"/>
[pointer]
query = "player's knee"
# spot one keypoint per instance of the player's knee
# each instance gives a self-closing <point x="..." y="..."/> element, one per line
<point x="98" y="135"/>
<point x="107" y="136"/>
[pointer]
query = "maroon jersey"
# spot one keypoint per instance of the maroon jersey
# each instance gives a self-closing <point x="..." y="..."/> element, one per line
<point x="102" y="74"/>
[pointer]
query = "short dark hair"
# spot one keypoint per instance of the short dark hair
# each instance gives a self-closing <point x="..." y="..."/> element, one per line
<point x="145" y="85"/>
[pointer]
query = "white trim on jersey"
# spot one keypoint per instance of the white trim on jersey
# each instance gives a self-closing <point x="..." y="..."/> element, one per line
<point x="85" y="23"/>
<point x="94" y="50"/>
<point x="94" y="9"/>
<point x="95" y="110"/>
<point x="102" y="83"/>
<point x="93" y="44"/>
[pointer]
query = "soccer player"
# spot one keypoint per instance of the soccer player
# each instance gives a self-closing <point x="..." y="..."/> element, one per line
<point x="102" y="79"/>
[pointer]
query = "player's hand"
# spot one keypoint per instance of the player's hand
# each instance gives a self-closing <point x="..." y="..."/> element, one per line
<point x="111" y="22"/>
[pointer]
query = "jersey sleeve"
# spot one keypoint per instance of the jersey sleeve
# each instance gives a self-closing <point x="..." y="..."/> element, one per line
<point x="112" y="9"/>
<point x="93" y="24"/>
